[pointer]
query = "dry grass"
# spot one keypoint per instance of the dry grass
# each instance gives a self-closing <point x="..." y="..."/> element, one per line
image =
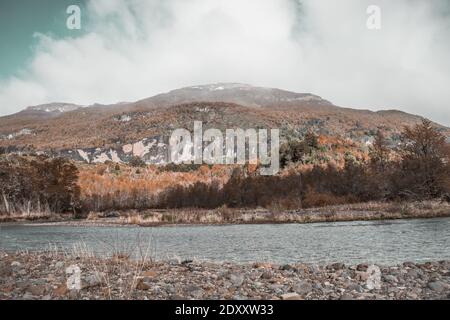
<point x="27" y="212"/>
<point x="117" y="270"/>
<point x="274" y="214"/>
<point x="224" y="215"/>
<point x="314" y="199"/>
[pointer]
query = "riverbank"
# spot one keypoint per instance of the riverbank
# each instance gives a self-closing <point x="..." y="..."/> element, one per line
<point x="43" y="276"/>
<point x="370" y="211"/>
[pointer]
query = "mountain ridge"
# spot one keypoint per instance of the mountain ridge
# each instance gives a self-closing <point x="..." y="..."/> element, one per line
<point x="221" y="105"/>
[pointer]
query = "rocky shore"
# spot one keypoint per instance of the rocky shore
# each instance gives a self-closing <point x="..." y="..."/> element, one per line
<point x="53" y="275"/>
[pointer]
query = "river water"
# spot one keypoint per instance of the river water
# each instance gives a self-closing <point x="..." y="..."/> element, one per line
<point x="382" y="242"/>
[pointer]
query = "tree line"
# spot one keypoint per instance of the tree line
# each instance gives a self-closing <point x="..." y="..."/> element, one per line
<point x="418" y="170"/>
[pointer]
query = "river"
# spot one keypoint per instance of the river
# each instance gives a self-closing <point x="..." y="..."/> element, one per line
<point x="382" y="242"/>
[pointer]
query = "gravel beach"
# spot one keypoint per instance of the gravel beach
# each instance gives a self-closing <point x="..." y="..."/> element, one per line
<point x="47" y="275"/>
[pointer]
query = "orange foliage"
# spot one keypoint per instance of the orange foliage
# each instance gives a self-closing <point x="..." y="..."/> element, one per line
<point x="104" y="187"/>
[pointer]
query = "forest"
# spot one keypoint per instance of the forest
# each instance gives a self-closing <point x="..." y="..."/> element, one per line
<point x="418" y="169"/>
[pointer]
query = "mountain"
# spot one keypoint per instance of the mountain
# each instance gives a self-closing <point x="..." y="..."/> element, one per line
<point x="237" y="93"/>
<point x="57" y="107"/>
<point x="44" y="111"/>
<point x="16" y="125"/>
<point x="106" y="132"/>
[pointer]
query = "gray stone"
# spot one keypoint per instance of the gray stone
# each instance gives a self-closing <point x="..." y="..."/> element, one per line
<point x="28" y="296"/>
<point x="390" y="278"/>
<point x="275" y="287"/>
<point x="302" y="287"/>
<point x="412" y="273"/>
<point x="36" y="290"/>
<point x="170" y="289"/>
<point x="93" y="280"/>
<point x="437" y="286"/>
<point x="412" y="295"/>
<point x="191" y="288"/>
<point x="291" y="296"/>
<point x="362" y="267"/>
<point x="337" y="266"/>
<point x="287" y="267"/>
<point x="197" y="294"/>
<point x="347" y="296"/>
<point x="313" y="268"/>
<point x="175" y="261"/>
<point x="355" y="287"/>
<point x="237" y="279"/>
<point x="409" y="264"/>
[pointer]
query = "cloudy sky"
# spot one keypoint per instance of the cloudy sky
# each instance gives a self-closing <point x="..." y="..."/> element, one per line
<point x="128" y="50"/>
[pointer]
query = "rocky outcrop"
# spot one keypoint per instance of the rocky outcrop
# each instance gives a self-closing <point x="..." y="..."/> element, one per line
<point x="152" y="151"/>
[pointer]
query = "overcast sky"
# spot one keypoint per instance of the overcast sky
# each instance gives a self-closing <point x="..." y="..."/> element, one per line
<point x="128" y="50"/>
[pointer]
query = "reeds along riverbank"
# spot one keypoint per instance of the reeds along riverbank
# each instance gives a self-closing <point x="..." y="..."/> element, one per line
<point x="353" y="212"/>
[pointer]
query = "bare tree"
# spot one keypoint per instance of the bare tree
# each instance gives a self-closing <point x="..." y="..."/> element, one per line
<point x="425" y="159"/>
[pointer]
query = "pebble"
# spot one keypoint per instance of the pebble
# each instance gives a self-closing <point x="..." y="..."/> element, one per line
<point x="266" y="275"/>
<point x="437" y="286"/>
<point x="390" y="278"/>
<point x="302" y="287"/>
<point x="291" y="296"/>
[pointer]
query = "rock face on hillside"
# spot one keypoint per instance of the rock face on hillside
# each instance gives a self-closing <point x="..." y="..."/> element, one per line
<point x="99" y="133"/>
<point x="151" y="150"/>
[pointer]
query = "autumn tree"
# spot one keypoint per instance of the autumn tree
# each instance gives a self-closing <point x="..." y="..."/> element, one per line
<point x="425" y="160"/>
<point x="311" y="141"/>
<point x="294" y="151"/>
<point x="379" y="152"/>
<point x="56" y="182"/>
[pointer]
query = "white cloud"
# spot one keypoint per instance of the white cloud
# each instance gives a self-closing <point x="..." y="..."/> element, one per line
<point x="138" y="48"/>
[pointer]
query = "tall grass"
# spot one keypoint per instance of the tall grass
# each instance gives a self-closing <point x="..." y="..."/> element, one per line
<point x="117" y="265"/>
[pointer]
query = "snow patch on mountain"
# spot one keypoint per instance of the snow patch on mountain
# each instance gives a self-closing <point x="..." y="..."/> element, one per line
<point x="57" y="107"/>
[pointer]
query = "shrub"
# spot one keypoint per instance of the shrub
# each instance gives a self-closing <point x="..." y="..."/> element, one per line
<point x="314" y="199"/>
<point x="137" y="162"/>
<point x="182" y="167"/>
